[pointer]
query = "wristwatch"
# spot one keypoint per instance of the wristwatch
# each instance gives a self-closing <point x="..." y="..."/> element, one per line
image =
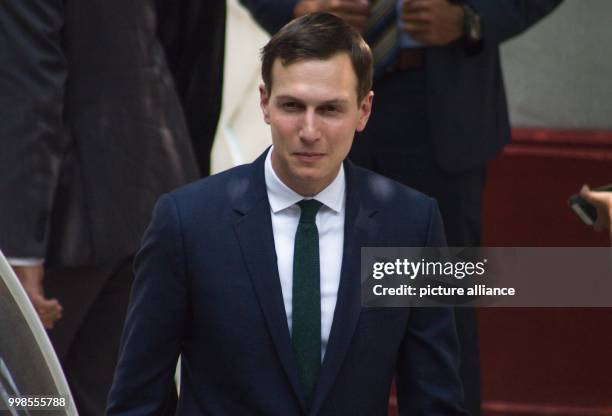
<point x="472" y="25"/>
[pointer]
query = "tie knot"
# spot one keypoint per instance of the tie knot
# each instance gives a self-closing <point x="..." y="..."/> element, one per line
<point x="309" y="208"/>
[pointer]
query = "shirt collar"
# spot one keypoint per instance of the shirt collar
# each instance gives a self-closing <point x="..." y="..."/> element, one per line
<point x="282" y="197"/>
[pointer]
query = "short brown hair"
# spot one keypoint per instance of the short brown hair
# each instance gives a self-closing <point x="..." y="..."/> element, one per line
<point x="318" y="36"/>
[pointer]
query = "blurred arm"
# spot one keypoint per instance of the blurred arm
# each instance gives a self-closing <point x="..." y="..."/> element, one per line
<point x="33" y="72"/>
<point x="156" y="319"/>
<point x="503" y="19"/>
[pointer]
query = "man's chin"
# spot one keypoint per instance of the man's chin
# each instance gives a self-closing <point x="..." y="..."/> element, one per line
<point x="311" y="174"/>
<point x="308" y="177"/>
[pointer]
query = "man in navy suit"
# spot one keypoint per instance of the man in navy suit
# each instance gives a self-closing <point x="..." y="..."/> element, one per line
<point x="440" y="113"/>
<point x="217" y="273"/>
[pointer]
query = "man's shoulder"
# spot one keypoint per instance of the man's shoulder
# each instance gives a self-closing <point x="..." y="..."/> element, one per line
<point x="386" y="192"/>
<point x="405" y="217"/>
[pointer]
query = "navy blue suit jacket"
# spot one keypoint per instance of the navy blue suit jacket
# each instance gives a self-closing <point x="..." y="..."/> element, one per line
<point x="207" y="288"/>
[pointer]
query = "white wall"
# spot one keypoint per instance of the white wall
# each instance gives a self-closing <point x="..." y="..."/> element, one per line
<point x="559" y="73"/>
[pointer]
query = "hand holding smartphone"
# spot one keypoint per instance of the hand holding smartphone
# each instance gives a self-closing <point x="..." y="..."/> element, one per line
<point x="588" y="208"/>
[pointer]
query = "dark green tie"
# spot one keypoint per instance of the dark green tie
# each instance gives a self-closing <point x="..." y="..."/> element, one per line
<point x="306" y="322"/>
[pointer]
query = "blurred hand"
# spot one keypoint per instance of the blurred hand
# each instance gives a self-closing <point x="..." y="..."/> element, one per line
<point x="354" y="12"/>
<point x="432" y="22"/>
<point x="602" y="201"/>
<point x="31" y="278"/>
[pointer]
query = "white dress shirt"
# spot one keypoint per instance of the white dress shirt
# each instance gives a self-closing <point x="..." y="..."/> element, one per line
<point x="330" y="224"/>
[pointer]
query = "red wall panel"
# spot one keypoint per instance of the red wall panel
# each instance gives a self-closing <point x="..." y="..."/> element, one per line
<point x="545" y="361"/>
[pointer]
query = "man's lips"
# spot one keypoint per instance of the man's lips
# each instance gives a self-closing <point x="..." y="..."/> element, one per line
<point x="308" y="156"/>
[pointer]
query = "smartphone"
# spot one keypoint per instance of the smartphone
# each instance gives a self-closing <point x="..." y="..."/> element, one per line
<point x="585" y="210"/>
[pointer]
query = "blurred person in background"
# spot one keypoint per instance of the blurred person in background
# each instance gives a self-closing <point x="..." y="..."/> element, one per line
<point x="192" y="33"/>
<point x="92" y="133"/>
<point x="440" y="112"/>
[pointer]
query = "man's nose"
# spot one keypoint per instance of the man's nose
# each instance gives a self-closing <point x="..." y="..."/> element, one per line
<point x="309" y="130"/>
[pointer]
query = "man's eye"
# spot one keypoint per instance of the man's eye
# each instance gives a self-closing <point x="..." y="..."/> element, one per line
<point x="290" y="106"/>
<point x="330" y="109"/>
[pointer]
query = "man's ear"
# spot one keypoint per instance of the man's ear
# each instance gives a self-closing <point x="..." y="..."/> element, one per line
<point x="264" y="103"/>
<point x="365" y="108"/>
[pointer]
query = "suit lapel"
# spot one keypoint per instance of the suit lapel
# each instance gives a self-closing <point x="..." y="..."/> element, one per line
<point x="254" y="232"/>
<point x="359" y="231"/>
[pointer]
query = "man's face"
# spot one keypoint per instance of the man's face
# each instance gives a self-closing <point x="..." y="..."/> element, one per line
<point x="313" y="113"/>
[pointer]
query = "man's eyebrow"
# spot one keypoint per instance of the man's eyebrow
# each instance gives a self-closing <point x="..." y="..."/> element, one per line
<point x="287" y="98"/>
<point x="333" y="101"/>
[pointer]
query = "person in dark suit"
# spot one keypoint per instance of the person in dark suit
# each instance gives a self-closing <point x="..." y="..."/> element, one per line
<point x="440" y="111"/>
<point x="192" y="33"/>
<point x="92" y="134"/>
<point x="252" y="275"/>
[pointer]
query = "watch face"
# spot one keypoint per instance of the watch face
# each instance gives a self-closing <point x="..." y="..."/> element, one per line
<point x="475" y="32"/>
<point x="473" y="27"/>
